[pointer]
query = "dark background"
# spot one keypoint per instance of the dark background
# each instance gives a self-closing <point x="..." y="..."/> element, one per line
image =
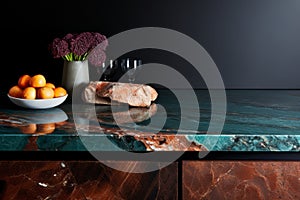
<point x="255" y="44"/>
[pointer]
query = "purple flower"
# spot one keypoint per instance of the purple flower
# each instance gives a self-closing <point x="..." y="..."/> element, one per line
<point x="97" y="56"/>
<point x="59" y="48"/>
<point x="76" y="47"/>
<point x="81" y="43"/>
<point x="99" y="40"/>
<point x="69" y="37"/>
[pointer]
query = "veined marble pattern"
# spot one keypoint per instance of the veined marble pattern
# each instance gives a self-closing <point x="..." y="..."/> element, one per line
<point x="82" y="180"/>
<point x="245" y="180"/>
<point x="256" y="120"/>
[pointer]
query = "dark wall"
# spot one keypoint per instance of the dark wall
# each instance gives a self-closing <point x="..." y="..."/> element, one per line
<point x="255" y="44"/>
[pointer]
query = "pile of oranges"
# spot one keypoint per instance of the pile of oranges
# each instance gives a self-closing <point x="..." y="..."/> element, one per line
<point x="35" y="87"/>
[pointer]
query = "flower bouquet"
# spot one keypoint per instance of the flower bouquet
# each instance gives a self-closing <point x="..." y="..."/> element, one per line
<point x="79" y="47"/>
<point x="78" y="51"/>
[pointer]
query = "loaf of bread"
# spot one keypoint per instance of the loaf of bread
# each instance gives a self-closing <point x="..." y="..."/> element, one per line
<point x="104" y="92"/>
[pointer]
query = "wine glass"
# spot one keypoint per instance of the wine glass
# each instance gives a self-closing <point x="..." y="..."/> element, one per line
<point x="109" y="71"/>
<point x="130" y="67"/>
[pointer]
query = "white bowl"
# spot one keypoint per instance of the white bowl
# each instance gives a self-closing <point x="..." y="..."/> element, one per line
<point x="38" y="103"/>
<point x="42" y="116"/>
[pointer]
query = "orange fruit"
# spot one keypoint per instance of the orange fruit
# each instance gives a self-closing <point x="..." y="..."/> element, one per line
<point x="45" y="128"/>
<point x="29" y="93"/>
<point x="28" y="129"/>
<point x="23" y="81"/>
<point x="59" y="92"/>
<point x="50" y="85"/>
<point x="16" y="91"/>
<point x="38" y="80"/>
<point x="45" y="93"/>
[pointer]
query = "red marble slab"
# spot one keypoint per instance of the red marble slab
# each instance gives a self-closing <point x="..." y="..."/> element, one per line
<point x="37" y="180"/>
<point x="99" y="181"/>
<point x="241" y="180"/>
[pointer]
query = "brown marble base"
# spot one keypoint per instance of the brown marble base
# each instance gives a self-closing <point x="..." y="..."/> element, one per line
<point x="200" y="180"/>
<point x="101" y="182"/>
<point x="37" y="180"/>
<point x="241" y="180"/>
<point x="82" y="180"/>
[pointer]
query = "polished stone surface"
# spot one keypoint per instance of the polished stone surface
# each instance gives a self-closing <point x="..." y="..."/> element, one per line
<point x="256" y="120"/>
<point x="82" y="180"/>
<point x="101" y="182"/>
<point x="37" y="180"/>
<point x="245" y="180"/>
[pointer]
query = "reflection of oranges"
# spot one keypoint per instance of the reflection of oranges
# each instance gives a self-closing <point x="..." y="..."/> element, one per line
<point x="38" y="128"/>
<point x="35" y="87"/>
<point x="45" y="93"/>
<point x="29" y="93"/>
<point x="23" y="81"/>
<point x="38" y="80"/>
<point x="28" y="129"/>
<point x="59" y="92"/>
<point x="15" y="91"/>
<point x="45" y="128"/>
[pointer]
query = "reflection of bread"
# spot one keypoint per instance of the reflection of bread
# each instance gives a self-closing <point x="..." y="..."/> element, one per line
<point x="134" y="114"/>
<point x="120" y="114"/>
<point x="102" y="92"/>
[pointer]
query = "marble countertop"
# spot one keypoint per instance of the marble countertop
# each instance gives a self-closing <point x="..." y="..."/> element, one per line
<point x="256" y="120"/>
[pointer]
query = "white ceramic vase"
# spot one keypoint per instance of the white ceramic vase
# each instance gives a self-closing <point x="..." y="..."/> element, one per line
<point x="75" y="75"/>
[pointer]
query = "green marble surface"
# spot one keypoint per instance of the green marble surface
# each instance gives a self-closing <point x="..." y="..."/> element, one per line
<point x="256" y="120"/>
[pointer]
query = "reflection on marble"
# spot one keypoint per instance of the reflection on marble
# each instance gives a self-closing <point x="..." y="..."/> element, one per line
<point x="33" y="121"/>
<point x="119" y="114"/>
<point x="50" y="115"/>
<point x="245" y="180"/>
<point x="257" y="120"/>
<point x="22" y="127"/>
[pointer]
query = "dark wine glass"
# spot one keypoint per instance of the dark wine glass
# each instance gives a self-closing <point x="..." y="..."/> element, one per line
<point x="130" y="67"/>
<point x="109" y="71"/>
